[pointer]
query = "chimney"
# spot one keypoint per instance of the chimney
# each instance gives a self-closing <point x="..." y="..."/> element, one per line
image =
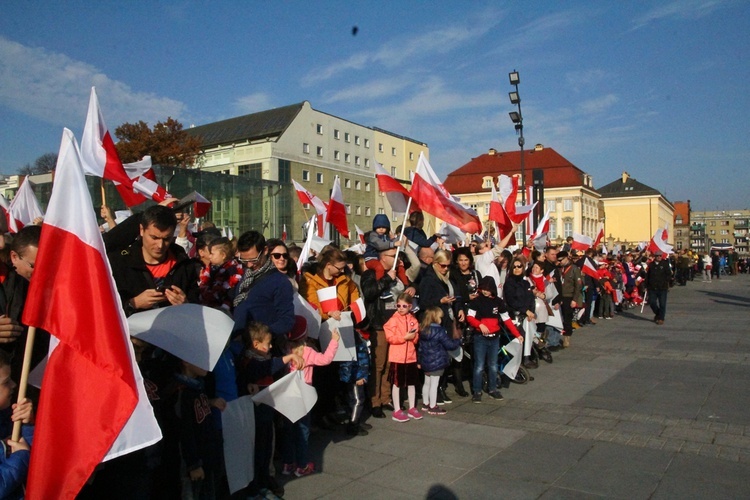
<point x="539" y="147"/>
<point x="492" y="152"/>
<point x="625" y="177"/>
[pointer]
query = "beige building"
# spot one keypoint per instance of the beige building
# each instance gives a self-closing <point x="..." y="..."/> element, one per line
<point x="298" y="142"/>
<point x="720" y="227"/>
<point x="634" y="211"/>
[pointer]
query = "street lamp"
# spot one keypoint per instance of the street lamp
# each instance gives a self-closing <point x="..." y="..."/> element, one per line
<point x="517" y="118"/>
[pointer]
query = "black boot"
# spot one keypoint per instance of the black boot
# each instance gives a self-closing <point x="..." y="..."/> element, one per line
<point x="529" y="363"/>
<point x="444" y="396"/>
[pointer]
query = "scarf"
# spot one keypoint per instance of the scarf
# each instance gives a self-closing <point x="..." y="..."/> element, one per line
<point x="250" y="277"/>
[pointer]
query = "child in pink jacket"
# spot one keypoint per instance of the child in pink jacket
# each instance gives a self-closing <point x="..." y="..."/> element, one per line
<point x="295" y="436"/>
<point x="402" y="334"/>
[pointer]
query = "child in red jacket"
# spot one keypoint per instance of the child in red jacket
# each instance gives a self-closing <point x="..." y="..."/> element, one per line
<point x="402" y="334"/>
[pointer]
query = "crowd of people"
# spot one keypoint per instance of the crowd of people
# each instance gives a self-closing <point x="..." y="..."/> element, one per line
<point x="427" y="303"/>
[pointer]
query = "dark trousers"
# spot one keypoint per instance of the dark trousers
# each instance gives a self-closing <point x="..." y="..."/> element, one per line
<point x="657" y="299"/>
<point x="567" y="315"/>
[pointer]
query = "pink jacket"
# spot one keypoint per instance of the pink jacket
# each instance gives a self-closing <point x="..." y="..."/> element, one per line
<point x="396" y="328"/>
<point x="315" y="358"/>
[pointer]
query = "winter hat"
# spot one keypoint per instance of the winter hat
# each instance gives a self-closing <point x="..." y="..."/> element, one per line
<point x="299" y="330"/>
<point x="381" y="220"/>
<point x="562" y="255"/>
<point x="488" y="283"/>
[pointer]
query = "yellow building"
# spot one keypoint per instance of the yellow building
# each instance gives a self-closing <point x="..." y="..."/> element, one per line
<point x="634" y="211"/>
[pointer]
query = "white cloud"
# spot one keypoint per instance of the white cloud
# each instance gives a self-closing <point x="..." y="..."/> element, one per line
<point x="259" y="101"/>
<point x="599" y="104"/>
<point x="55" y="88"/>
<point x="371" y="90"/>
<point x="679" y="9"/>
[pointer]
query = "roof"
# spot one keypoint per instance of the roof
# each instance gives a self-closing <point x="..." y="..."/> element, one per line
<point x="626" y="187"/>
<point x="558" y="172"/>
<point x="269" y="123"/>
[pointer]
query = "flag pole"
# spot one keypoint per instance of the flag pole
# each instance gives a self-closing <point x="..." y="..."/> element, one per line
<point x="401" y="236"/>
<point x="104" y="195"/>
<point x="24" y="377"/>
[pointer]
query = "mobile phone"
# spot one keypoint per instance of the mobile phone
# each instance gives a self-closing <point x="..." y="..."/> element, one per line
<point x="160" y="288"/>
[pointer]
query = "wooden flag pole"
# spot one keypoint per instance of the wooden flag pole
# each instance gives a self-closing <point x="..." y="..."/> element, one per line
<point x="401" y="236"/>
<point x="104" y="194"/>
<point x="24" y="377"/>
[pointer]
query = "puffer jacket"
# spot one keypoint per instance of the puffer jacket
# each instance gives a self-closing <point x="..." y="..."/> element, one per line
<point x="434" y="344"/>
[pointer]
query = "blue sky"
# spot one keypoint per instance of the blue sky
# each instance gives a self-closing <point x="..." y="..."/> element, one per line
<point x="656" y="88"/>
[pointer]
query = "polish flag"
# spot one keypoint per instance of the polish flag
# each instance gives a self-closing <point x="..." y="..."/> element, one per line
<point x="329" y="300"/>
<point x="93" y="404"/>
<point x="498" y="215"/>
<point x="530" y="217"/>
<point x="360" y="234"/>
<point x="320" y="225"/>
<point x="283" y="233"/>
<point x="24" y="208"/>
<point x="337" y="210"/>
<point x="358" y="308"/>
<point x="659" y="242"/>
<point x="306" y="197"/>
<point x="144" y="185"/>
<point x="508" y="187"/>
<point x="539" y="237"/>
<point x="201" y="205"/>
<point x="589" y="268"/>
<point x="581" y="242"/>
<point x="599" y="235"/>
<point x="11" y="222"/>
<point x="98" y="151"/>
<point x="432" y="197"/>
<point x="397" y="194"/>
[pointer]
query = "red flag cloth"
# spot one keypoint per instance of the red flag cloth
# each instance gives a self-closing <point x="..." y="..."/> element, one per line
<point x="599" y="236"/>
<point x="508" y="187"/>
<point x="542" y="228"/>
<point x="337" y="210"/>
<point x="659" y="242"/>
<point x="581" y="242"/>
<point x="306" y="197"/>
<point x="433" y="198"/>
<point x="397" y="194"/>
<point x="91" y="386"/>
<point x="328" y="299"/>
<point x="283" y="233"/>
<point x="358" y="308"/>
<point x="360" y="234"/>
<point x="98" y="151"/>
<point x="144" y="185"/>
<point x="498" y="215"/>
<point x="589" y="268"/>
<point x="201" y="206"/>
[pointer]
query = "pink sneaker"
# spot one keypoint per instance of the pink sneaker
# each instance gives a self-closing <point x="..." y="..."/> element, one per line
<point x="414" y="413"/>
<point x="306" y="471"/>
<point x="287" y="469"/>
<point x="400" y="416"/>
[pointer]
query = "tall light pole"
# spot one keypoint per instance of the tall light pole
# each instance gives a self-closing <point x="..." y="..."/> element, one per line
<point x="517" y="118"/>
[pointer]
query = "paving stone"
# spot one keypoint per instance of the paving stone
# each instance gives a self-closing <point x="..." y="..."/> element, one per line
<point x="689" y="434"/>
<point x="733" y="440"/>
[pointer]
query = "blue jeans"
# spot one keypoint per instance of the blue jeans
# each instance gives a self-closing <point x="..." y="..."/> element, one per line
<point x="657" y="299"/>
<point x="294" y="441"/>
<point x="485" y="352"/>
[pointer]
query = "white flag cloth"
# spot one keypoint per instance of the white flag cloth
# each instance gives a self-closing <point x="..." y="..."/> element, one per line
<point x="529" y="330"/>
<point x="347" y="350"/>
<point x="289" y="395"/>
<point x="312" y="316"/>
<point x="24" y="208"/>
<point x="514" y="349"/>
<point x="238" y="430"/>
<point x="194" y="333"/>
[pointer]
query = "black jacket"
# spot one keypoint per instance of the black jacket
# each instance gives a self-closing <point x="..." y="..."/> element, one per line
<point x="659" y="275"/>
<point x="372" y="289"/>
<point x="432" y="289"/>
<point x="518" y="295"/>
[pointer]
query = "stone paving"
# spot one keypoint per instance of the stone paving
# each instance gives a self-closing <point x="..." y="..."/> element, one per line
<point x="631" y="410"/>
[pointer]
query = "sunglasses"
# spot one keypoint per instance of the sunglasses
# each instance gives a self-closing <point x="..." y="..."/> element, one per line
<point x="248" y="261"/>
<point x="517" y="267"/>
<point x="278" y="256"/>
<point x="444" y="266"/>
<point x="403" y="306"/>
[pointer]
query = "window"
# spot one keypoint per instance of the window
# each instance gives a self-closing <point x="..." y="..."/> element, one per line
<point x="348" y="183"/>
<point x="486" y="209"/>
<point x="359" y="210"/>
<point x="285" y="171"/>
<point x="367" y="143"/>
<point x="381" y="211"/>
<point x="319" y="150"/>
<point x="567" y="205"/>
<point x="380" y="147"/>
<point x="679" y="245"/>
<point x="319" y="129"/>
<point x="319" y="178"/>
<point x="253" y="171"/>
<point x="678" y="232"/>
<point x="367" y="187"/>
<point x="305" y="175"/>
<point x="712" y="232"/>
<point x="393" y="151"/>
<point x="347" y="157"/>
<point x="551" y="205"/>
<point x="552" y="229"/>
<point x="393" y="171"/>
<point x="367" y="163"/>
<point x="368" y="211"/>
<point x="411" y="155"/>
<point x="356" y="160"/>
<point x="487" y="182"/>
<point x="305" y="148"/>
<point x="347" y="137"/>
<point x="723" y="231"/>
<point x="336" y="134"/>
<point x="678" y="220"/>
<point x="567" y="228"/>
<point x="336" y="155"/>
<point x="358" y="185"/>
<point x="356" y="140"/>
<point x="348" y="209"/>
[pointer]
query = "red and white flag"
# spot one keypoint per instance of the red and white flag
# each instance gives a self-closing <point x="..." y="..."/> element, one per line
<point x="589" y="268"/>
<point x="201" y="205"/>
<point x="283" y="233"/>
<point x="539" y="237"/>
<point x="432" y="197"/>
<point x="360" y="234"/>
<point x="306" y="197"/>
<point x="659" y="242"/>
<point x="98" y="151"/>
<point x="358" y="308"/>
<point x="328" y="299"/>
<point x="25" y="207"/>
<point x="508" y="187"/>
<point x="498" y="215"/>
<point x="93" y="402"/>
<point x="12" y="226"/>
<point x="581" y="242"/>
<point x="337" y="210"/>
<point x="144" y="185"/>
<point x="599" y="235"/>
<point x="397" y="194"/>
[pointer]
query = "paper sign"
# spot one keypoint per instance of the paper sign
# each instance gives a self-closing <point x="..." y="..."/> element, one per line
<point x="194" y="333"/>
<point x="511" y="367"/>
<point x="347" y="350"/>
<point x="312" y="317"/>
<point x="238" y="428"/>
<point x="289" y="395"/>
<point x="555" y="319"/>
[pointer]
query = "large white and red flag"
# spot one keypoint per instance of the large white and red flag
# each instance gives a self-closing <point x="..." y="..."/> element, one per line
<point x="144" y="186"/>
<point x="337" y="210"/>
<point x="498" y="215"/>
<point x="508" y="187"/>
<point x="432" y="197"/>
<point x="397" y="194"/>
<point x="5" y="206"/>
<point x="659" y="243"/>
<point x="93" y="402"/>
<point x="599" y="235"/>
<point x="306" y="197"/>
<point x="360" y="234"/>
<point x="589" y="267"/>
<point x="581" y="242"/>
<point x="98" y="151"/>
<point x="25" y="207"/>
<point x="539" y="237"/>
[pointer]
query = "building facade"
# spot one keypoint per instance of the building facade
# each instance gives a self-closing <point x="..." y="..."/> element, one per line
<point x="682" y="229"/>
<point x="726" y="227"/>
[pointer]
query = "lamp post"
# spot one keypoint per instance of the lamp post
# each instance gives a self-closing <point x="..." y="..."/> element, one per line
<point x="517" y="118"/>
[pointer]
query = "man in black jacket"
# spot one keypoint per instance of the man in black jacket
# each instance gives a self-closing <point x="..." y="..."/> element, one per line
<point x="658" y="276"/>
